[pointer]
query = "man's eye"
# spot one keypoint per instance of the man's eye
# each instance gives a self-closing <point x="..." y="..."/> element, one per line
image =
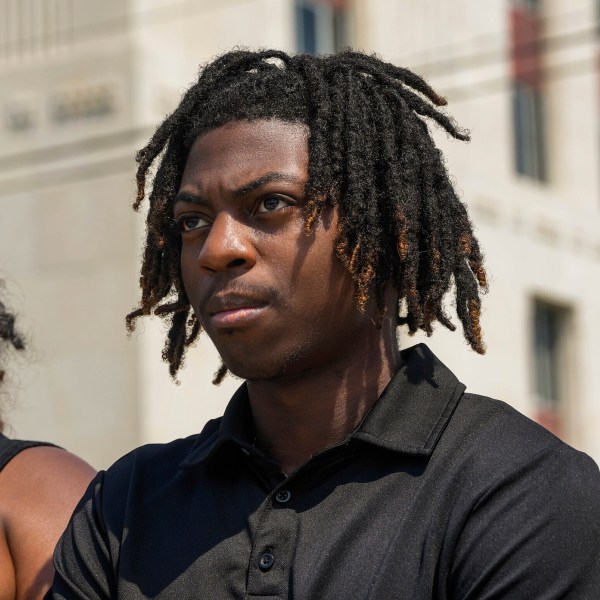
<point x="271" y="203"/>
<point x="190" y="223"/>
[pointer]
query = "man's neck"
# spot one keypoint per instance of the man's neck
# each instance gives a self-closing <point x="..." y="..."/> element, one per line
<point x="296" y="418"/>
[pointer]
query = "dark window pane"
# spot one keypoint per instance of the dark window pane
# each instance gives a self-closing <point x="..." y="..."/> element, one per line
<point x="321" y="28"/>
<point x="306" y="28"/>
<point x="340" y="29"/>
<point x="528" y="126"/>
<point x="550" y="323"/>
<point x="518" y="130"/>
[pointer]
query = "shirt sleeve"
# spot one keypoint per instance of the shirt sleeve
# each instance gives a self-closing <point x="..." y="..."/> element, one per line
<point x="534" y="534"/>
<point x="82" y="558"/>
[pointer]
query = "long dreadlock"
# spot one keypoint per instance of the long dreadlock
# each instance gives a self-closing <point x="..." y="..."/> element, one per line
<point x="370" y="153"/>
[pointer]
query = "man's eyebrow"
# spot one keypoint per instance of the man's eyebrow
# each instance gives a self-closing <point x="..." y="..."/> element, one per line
<point x="267" y="178"/>
<point x="241" y="191"/>
<point x="187" y="197"/>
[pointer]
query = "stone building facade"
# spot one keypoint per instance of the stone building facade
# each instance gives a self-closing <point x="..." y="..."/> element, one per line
<point x="83" y="84"/>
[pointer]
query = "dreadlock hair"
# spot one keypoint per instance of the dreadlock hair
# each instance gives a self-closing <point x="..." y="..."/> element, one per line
<point x="370" y="154"/>
<point x="9" y="339"/>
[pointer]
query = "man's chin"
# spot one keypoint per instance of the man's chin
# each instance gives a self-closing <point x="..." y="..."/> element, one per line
<point x="252" y="370"/>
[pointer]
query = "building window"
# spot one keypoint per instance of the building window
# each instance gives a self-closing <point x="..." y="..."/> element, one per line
<point x="321" y="26"/>
<point x="550" y="339"/>
<point x="528" y="118"/>
<point x="528" y="81"/>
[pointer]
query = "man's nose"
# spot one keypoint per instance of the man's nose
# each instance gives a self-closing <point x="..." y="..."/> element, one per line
<point x="228" y="245"/>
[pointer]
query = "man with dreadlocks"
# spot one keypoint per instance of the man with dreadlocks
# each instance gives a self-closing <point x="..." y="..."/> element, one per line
<point x="299" y="214"/>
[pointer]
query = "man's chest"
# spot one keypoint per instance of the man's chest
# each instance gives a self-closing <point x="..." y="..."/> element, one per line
<point x="355" y="535"/>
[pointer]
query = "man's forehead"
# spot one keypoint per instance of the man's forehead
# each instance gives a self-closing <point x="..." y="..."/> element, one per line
<point x="242" y="152"/>
<point x="258" y="137"/>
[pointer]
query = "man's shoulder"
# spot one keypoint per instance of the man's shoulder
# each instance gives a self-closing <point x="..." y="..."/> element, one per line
<point x="161" y="459"/>
<point x="522" y="503"/>
<point x="497" y="442"/>
<point x="490" y="414"/>
<point x="498" y="422"/>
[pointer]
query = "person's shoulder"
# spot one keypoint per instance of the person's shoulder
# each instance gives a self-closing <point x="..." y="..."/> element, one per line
<point x="498" y="441"/>
<point x="39" y="488"/>
<point x="45" y="483"/>
<point x="162" y="459"/>
<point x="42" y="471"/>
<point x="493" y="423"/>
<point x="141" y="473"/>
<point x="525" y="503"/>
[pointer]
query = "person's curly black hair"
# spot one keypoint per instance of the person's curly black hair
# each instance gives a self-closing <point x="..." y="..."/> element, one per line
<point x="370" y="153"/>
<point x="10" y="339"/>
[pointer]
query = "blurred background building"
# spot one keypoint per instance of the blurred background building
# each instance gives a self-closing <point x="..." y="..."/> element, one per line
<point x="84" y="83"/>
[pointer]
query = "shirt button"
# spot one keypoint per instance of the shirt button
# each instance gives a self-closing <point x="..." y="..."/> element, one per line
<point x="266" y="560"/>
<point x="283" y="496"/>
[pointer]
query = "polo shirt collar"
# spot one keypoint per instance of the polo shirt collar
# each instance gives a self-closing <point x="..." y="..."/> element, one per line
<point x="408" y="418"/>
<point x="415" y="407"/>
<point x="236" y="427"/>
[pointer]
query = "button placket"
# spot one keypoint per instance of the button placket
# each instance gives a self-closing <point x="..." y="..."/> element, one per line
<point x="274" y="531"/>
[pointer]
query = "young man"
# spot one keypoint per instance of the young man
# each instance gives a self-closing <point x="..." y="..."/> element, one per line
<point x="301" y="213"/>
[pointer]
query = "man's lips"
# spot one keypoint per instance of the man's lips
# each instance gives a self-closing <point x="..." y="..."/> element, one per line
<point x="230" y="310"/>
<point x="236" y="316"/>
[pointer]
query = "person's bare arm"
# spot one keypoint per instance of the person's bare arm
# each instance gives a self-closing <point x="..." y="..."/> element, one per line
<point x="39" y="489"/>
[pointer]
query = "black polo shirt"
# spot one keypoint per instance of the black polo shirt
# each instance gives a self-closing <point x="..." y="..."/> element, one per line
<point x="438" y="494"/>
